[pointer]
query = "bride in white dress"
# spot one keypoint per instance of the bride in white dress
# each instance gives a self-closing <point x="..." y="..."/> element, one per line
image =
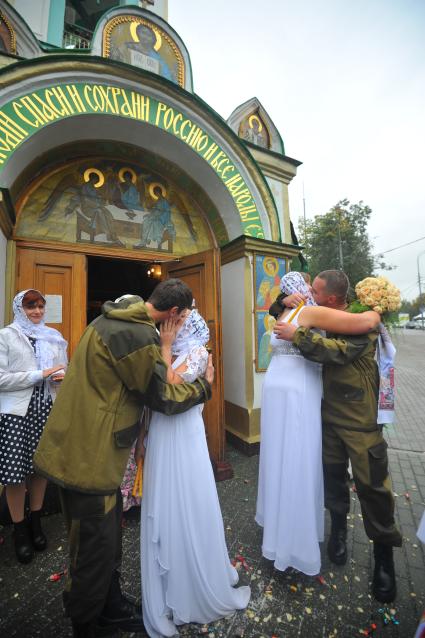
<point x="186" y="572"/>
<point x="290" y="503"/>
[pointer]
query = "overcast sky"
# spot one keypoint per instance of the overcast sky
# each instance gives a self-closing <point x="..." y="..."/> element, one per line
<point x="344" y="82"/>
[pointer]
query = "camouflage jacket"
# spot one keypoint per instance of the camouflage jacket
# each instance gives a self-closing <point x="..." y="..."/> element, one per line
<point x="350" y="376"/>
<point x="116" y="369"/>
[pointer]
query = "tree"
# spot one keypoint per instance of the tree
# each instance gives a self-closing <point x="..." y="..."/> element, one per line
<point x="339" y="240"/>
<point x="413" y="307"/>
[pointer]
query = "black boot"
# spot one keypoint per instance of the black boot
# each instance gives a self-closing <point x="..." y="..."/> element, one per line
<point x="83" y="630"/>
<point x="23" y="546"/>
<point x="337" y="544"/>
<point x="39" y="540"/>
<point x="119" y="611"/>
<point x="384" y="586"/>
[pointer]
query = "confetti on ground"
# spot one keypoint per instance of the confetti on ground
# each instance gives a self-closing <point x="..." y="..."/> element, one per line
<point x="54" y="578"/>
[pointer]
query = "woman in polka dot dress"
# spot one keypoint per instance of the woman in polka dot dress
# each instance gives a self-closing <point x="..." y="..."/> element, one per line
<point x="32" y="363"/>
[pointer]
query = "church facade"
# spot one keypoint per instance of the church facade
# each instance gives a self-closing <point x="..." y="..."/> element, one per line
<point x="114" y="175"/>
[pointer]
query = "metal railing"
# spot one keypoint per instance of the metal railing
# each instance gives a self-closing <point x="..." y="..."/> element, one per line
<point x="76" y="37"/>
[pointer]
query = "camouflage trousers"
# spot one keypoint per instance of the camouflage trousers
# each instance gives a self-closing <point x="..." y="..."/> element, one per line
<point x="367" y="452"/>
<point x="95" y="549"/>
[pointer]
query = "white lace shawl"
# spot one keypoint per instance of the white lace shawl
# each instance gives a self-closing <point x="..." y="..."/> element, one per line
<point x="196" y="361"/>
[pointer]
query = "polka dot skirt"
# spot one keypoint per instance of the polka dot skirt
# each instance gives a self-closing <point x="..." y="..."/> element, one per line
<point x="19" y="437"/>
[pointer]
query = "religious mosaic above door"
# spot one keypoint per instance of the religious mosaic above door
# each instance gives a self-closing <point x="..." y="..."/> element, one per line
<point x="137" y="41"/>
<point x="112" y="203"/>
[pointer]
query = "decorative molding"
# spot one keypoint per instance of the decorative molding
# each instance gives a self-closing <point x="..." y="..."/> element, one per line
<point x="249" y="449"/>
<point x="7" y="213"/>
<point x="243" y="427"/>
<point x="11" y="30"/>
<point x="97" y="250"/>
<point x="244" y="246"/>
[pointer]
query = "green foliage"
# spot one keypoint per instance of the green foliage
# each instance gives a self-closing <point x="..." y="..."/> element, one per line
<point x="357" y="307"/>
<point x="413" y="307"/>
<point x="340" y="235"/>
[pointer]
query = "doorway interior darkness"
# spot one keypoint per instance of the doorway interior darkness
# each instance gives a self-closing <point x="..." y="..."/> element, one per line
<point x="110" y="278"/>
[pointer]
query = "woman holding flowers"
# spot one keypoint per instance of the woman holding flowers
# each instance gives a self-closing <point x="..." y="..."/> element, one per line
<point x="350" y="429"/>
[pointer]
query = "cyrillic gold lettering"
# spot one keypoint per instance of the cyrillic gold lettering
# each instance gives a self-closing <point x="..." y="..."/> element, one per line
<point x="12" y="126"/>
<point x="168" y="118"/>
<point x="178" y="117"/>
<point x="182" y="129"/>
<point x="76" y="98"/>
<point x="161" y="108"/>
<point x="209" y="153"/>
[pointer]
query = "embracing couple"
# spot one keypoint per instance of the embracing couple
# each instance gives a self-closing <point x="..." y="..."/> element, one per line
<point x="320" y="410"/>
<point x="120" y="365"/>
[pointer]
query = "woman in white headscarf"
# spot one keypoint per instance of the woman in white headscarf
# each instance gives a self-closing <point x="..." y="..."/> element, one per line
<point x="186" y="572"/>
<point x="32" y="361"/>
<point x="290" y="505"/>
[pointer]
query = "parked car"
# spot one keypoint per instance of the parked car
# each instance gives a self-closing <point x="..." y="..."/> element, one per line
<point x="411" y="324"/>
<point x="414" y="325"/>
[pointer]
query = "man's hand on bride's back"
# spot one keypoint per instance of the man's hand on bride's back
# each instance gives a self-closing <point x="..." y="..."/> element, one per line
<point x="284" y="331"/>
<point x="209" y="372"/>
<point x="294" y="300"/>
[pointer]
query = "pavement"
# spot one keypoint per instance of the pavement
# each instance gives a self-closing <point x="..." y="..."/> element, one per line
<point x="283" y="605"/>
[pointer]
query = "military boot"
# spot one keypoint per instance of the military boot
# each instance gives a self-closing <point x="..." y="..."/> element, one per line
<point x="83" y="630"/>
<point x="337" y="544"/>
<point x="384" y="586"/>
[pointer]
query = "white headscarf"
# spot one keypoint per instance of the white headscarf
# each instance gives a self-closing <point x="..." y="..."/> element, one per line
<point x="294" y="282"/>
<point x="194" y="332"/>
<point x="44" y="335"/>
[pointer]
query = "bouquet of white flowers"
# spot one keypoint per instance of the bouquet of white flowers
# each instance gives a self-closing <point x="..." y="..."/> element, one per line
<point x="376" y="293"/>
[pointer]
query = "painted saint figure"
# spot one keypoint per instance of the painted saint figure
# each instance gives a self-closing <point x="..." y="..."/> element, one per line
<point x="157" y="222"/>
<point x="144" y="55"/>
<point x="254" y="133"/>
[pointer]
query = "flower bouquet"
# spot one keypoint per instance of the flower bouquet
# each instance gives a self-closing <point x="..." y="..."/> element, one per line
<point x="376" y="293"/>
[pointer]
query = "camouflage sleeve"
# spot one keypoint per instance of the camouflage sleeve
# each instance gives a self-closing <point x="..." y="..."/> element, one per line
<point x="144" y="371"/>
<point x="337" y="351"/>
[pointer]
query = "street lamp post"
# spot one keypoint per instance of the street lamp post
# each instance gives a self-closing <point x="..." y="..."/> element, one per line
<point x="421" y="305"/>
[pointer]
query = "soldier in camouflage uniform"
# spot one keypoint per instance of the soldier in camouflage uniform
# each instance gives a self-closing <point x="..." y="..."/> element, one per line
<point x="350" y="432"/>
<point x="116" y="369"/>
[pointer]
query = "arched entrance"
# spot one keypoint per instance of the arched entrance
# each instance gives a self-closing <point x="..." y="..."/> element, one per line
<point x="93" y="228"/>
<point x="103" y="162"/>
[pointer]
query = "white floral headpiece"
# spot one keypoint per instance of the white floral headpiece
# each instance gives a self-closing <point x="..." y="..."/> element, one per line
<point x="194" y="332"/>
<point x="294" y="282"/>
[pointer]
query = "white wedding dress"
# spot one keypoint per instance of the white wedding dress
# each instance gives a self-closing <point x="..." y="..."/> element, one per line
<point x="290" y="504"/>
<point x="186" y="572"/>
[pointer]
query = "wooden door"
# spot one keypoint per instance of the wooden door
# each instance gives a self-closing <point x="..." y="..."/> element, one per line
<point x="60" y="274"/>
<point x="201" y="272"/>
